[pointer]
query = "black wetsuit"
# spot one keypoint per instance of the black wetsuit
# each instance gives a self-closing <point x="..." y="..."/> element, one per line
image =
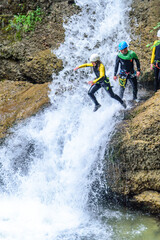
<point x="127" y="67"/>
<point x="105" y="83"/>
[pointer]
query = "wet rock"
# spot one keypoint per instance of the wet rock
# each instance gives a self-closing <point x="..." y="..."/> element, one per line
<point x="149" y="200"/>
<point x="133" y="156"/>
<point x="19" y="100"/>
<point x="133" y="166"/>
<point x="40" y="68"/>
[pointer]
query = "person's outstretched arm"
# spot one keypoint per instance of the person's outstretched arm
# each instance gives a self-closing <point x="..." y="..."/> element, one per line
<point x="116" y="68"/>
<point x="84" y="65"/>
<point x="153" y="56"/>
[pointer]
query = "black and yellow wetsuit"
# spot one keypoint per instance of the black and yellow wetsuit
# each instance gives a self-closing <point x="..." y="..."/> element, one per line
<point x="100" y="81"/>
<point x="126" y="62"/>
<point x="155" y="59"/>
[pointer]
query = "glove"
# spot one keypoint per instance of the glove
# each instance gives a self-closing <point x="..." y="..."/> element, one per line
<point x="91" y="82"/>
<point x="76" y="68"/>
<point x="138" y="73"/>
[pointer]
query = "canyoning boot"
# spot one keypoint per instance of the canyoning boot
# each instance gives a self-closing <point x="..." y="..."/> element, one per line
<point x="124" y="104"/>
<point x="96" y="107"/>
<point x="136" y="100"/>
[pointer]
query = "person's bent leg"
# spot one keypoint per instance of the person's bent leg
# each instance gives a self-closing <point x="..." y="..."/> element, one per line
<point x="133" y="82"/>
<point x="91" y="92"/>
<point x="115" y="96"/>
<point x="121" y="91"/>
<point x="156" y="79"/>
<point x="158" y="87"/>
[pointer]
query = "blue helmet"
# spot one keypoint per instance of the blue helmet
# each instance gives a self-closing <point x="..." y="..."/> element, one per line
<point x="122" y="45"/>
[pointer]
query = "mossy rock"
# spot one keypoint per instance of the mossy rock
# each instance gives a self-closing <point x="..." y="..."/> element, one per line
<point x="39" y="69"/>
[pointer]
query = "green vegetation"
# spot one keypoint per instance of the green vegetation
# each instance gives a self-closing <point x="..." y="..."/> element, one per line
<point x="25" y="23"/>
<point x="158" y="42"/>
<point x="153" y="45"/>
<point x="157" y="26"/>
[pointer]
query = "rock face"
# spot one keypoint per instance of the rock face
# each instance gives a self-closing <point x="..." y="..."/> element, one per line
<point x="133" y="158"/>
<point x="28" y="56"/>
<point x="27" y="63"/>
<point x="39" y="68"/>
<point x="19" y="100"/>
<point x="134" y="155"/>
<point x="144" y="16"/>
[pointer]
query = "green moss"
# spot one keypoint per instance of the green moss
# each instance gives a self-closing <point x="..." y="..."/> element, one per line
<point x="128" y="116"/>
<point x="4" y="20"/>
<point x="114" y="150"/>
<point x="2" y="79"/>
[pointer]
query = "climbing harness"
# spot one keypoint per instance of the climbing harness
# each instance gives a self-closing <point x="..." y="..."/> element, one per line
<point x="122" y="81"/>
<point x="123" y="77"/>
<point x="107" y="82"/>
<point x="156" y="64"/>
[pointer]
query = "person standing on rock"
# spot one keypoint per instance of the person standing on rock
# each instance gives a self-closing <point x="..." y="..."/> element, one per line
<point x="126" y="59"/>
<point x="155" y="62"/>
<point x="100" y="81"/>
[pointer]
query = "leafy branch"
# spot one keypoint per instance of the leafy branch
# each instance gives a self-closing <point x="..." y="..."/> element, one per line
<point x="152" y="45"/>
<point x="157" y="26"/>
<point x="25" y="23"/>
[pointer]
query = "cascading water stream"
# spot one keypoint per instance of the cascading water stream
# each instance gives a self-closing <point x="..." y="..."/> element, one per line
<point x="51" y="162"/>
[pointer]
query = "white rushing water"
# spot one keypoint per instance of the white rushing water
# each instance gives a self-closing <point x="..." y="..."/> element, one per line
<point x="51" y="163"/>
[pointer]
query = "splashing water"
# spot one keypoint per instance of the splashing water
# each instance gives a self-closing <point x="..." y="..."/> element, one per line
<point x="51" y="166"/>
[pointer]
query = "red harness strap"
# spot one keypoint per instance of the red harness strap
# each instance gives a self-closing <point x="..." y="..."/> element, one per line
<point x="157" y="65"/>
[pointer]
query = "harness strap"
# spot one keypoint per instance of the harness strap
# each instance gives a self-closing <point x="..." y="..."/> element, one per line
<point x="122" y="82"/>
<point x="157" y="61"/>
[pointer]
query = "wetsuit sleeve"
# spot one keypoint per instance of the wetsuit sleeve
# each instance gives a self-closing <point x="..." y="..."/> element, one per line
<point x="137" y="60"/>
<point x="138" y="64"/>
<point x="116" y="66"/>
<point x="153" y="54"/>
<point x="86" y="65"/>
<point x="101" y="73"/>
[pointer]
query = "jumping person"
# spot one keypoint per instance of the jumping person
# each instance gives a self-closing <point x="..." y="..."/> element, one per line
<point x="155" y="62"/>
<point x="126" y="60"/>
<point x="100" y="81"/>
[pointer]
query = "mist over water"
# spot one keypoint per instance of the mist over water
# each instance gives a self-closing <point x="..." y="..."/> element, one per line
<point x="52" y="164"/>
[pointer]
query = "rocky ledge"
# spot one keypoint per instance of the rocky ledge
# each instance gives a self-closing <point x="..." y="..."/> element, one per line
<point x="19" y="100"/>
<point x="133" y="158"/>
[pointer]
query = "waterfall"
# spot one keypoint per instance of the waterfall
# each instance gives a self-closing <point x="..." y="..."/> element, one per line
<point x="51" y="167"/>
